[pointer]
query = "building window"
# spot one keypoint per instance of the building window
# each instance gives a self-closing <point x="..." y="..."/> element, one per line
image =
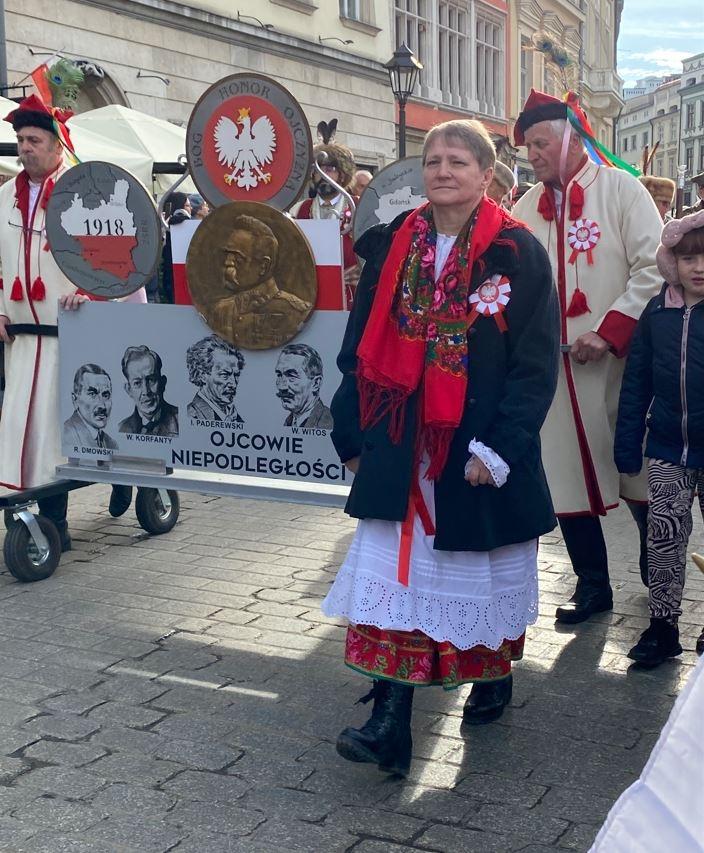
<point x="645" y="139"/>
<point x="673" y="130"/>
<point x="453" y="50"/>
<point x="689" y="159"/>
<point x="357" y="10"/>
<point x="527" y="68"/>
<point x="658" y="167"/>
<point x="701" y="159"/>
<point x="701" y="113"/>
<point x="670" y="167"/>
<point x="489" y="53"/>
<point x="633" y="142"/>
<point x="689" y="117"/>
<point x="625" y="143"/>
<point x="661" y="133"/>
<point x="412" y="27"/>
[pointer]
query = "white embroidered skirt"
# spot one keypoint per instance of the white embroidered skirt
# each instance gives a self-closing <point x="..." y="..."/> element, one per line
<point x="466" y="597"/>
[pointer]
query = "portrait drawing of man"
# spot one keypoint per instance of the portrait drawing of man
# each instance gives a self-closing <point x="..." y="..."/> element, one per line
<point x="92" y="404"/>
<point x="214" y="366"/>
<point x="299" y="375"/>
<point x="145" y="384"/>
<point x="256" y="314"/>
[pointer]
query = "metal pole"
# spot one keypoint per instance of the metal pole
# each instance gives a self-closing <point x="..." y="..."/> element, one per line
<point x="4" y="83"/>
<point x="401" y="129"/>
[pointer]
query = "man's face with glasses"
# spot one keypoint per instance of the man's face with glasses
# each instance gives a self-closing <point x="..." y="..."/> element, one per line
<point x="39" y="152"/>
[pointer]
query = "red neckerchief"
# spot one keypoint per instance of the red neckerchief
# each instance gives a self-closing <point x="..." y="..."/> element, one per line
<point x="396" y="358"/>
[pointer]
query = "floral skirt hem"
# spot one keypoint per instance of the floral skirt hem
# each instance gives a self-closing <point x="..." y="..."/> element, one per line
<point x="415" y="659"/>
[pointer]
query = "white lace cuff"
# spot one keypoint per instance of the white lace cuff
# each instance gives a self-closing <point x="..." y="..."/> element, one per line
<point x="498" y="469"/>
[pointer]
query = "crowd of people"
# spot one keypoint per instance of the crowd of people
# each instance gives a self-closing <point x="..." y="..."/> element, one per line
<point x="500" y="371"/>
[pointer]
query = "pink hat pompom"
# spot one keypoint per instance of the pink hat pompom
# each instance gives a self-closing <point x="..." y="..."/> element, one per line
<point x="671" y="235"/>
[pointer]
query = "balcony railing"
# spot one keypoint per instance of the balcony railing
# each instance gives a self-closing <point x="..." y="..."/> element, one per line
<point x="605" y="80"/>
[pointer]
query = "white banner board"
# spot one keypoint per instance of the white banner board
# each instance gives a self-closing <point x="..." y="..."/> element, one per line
<point x="152" y="382"/>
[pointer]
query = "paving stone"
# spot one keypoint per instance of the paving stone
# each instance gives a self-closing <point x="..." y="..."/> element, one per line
<point x="71" y="702"/>
<point x="518" y="823"/>
<point x="12" y="833"/>
<point x="61" y="782"/>
<point x="376" y="823"/>
<point x="215" y="817"/>
<point x="430" y="804"/>
<point x="122" y="798"/>
<point x="580" y="836"/>
<point x="296" y="835"/>
<point x="11" y="768"/>
<point x="195" y="728"/>
<point x="66" y="754"/>
<point x="58" y="814"/>
<point x="285" y="802"/>
<point x="13" y="713"/>
<point x="198" y="755"/>
<point x="121" y="738"/>
<point x="61" y="726"/>
<point x="454" y="839"/>
<point x="147" y="834"/>
<point x="206" y="787"/>
<point x="118" y="713"/>
<point x="135" y="768"/>
<point x="492" y="789"/>
<point x="53" y="842"/>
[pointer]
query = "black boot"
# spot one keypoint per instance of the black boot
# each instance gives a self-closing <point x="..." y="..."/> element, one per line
<point x="385" y="739"/>
<point x="55" y="508"/>
<point x="586" y="601"/>
<point x="487" y="701"/>
<point x="699" y="648"/>
<point x="661" y="640"/>
<point x="120" y="500"/>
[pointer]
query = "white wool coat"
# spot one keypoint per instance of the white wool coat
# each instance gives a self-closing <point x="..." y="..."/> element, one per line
<point x="30" y="435"/>
<point x="577" y="437"/>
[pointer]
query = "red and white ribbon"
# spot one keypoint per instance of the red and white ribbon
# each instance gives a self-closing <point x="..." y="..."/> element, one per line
<point x="490" y="300"/>
<point x="583" y="235"/>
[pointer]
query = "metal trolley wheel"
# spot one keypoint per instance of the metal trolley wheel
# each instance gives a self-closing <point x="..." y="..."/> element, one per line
<point x="10" y="519"/>
<point x="157" y="510"/>
<point x="27" y="560"/>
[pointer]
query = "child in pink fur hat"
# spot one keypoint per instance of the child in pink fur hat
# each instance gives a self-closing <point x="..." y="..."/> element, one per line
<point x="663" y="393"/>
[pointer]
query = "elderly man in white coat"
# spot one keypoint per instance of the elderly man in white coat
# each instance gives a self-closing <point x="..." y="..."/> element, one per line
<point x="601" y="229"/>
<point x="33" y="286"/>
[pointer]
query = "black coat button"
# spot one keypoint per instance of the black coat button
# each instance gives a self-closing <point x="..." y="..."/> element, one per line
<point x="471" y="401"/>
<point x="471" y="331"/>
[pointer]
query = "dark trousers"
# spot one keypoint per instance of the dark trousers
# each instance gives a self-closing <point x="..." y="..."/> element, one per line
<point x="584" y="540"/>
<point x="55" y="508"/>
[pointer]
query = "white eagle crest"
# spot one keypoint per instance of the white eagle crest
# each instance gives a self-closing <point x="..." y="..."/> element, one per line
<point x="245" y="151"/>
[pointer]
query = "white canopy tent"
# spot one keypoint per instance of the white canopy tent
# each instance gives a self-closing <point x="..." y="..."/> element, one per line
<point x="117" y="135"/>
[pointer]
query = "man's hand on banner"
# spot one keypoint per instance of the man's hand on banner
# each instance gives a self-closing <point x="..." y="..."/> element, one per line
<point x="589" y="347"/>
<point x="352" y="464"/>
<point x="71" y="301"/>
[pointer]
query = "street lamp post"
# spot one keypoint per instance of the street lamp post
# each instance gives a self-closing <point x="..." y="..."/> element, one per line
<point x="403" y="68"/>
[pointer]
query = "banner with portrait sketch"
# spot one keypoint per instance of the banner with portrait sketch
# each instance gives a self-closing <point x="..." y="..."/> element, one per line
<point x="153" y="382"/>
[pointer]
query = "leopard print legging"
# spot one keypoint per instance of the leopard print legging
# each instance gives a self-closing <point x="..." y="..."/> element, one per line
<point x="671" y="490"/>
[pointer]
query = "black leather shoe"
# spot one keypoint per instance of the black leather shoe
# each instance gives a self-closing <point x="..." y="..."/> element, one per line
<point x="657" y="643"/>
<point x="583" y="604"/>
<point x="699" y="648"/>
<point x="385" y="739"/>
<point x="487" y="701"/>
<point x="66" y="543"/>
<point x="120" y="500"/>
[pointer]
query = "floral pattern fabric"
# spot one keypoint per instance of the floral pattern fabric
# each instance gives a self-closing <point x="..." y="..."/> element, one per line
<point x="413" y="658"/>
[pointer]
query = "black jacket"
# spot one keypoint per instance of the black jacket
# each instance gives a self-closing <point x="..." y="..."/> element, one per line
<point x="663" y="389"/>
<point x="512" y="380"/>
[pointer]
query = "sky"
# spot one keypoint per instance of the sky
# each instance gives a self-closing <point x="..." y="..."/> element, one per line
<point x="656" y="35"/>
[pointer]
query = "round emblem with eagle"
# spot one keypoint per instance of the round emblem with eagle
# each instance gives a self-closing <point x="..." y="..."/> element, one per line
<point x="583" y="236"/>
<point x="490" y="300"/>
<point x="248" y="140"/>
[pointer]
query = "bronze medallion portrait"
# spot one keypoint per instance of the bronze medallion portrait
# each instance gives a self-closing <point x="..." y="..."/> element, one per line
<point x="251" y="274"/>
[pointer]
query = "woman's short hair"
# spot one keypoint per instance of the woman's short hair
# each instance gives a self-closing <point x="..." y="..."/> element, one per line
<point x="468" y="133"/>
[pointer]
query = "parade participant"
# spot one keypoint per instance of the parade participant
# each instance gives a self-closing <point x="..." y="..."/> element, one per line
<point x="663" y="391"/>
<point x="698" y="182"/>
<point x="33" y="286"/>
<point x="601" y="229"/>
<point x="449" y="365"/>
<point x="662" y="191"/>
<point x="501" y="185"/>
<point x="362" y="179"/>
<point x="327" y="202"/>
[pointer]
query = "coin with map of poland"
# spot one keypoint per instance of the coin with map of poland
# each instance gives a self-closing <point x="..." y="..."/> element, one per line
<point x="395" y="188"/>
<point x="103" y="230"/>
<point x="248" y="140"/>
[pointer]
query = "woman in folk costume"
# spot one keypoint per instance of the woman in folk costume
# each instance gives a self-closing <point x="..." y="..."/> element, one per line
<point x="30" y="446"/>
<point x="601" y="229"/>
<point x="449" y="362"/>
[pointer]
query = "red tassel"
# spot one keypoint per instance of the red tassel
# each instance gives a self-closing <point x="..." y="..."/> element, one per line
<point x="16" y="293"/>
<point x="576" y="201"/>
<point x="38" y="291"/>
<point x="545" y="206"/>
<point x="578" y="305"/>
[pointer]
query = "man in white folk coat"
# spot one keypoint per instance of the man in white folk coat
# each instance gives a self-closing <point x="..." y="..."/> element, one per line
<point x="601" y="229"/>
<point x="32" y="288"/>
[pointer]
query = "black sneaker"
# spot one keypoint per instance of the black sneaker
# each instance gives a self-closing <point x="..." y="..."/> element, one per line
<point x="659" y="641"/>
<point x="699" y="648"/>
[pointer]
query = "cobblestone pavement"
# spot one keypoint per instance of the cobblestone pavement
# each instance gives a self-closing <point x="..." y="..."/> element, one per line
<point x="184" y="693"/>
